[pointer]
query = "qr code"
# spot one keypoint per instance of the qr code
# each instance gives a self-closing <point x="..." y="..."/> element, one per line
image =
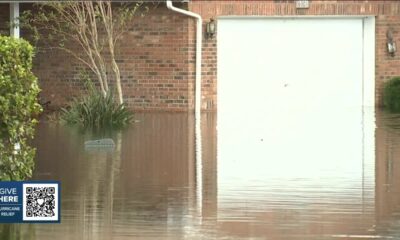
<point x="40" y="202"/>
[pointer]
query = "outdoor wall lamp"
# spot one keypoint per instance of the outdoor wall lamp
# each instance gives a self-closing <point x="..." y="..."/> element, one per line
<point x="391" y="44"/>
<point x="210" y="28"/>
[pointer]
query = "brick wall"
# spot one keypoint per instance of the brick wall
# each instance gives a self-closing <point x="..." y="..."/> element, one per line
<point x="157" y="56"/>
<point x="154" y="60"/>
<point x="387" y="15"/>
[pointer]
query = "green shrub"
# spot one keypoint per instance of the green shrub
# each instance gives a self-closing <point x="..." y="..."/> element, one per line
<point x="18" y="106"/>
<point x="391" y="95"/>
<point x="96" y="111"/>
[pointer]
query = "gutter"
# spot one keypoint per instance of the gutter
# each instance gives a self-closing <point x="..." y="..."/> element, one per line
<point x="197" y="107"/>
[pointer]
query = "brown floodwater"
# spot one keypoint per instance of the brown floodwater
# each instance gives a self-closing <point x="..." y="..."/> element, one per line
<point x="284" y="175"/>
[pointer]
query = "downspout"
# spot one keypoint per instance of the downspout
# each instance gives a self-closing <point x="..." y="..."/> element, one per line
<point x="197" y="107"/>
<point x="14" y="19"/>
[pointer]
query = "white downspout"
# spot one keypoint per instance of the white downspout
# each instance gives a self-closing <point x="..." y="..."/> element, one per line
<point x="197" y="107"/>
<point x="14" y="19"/>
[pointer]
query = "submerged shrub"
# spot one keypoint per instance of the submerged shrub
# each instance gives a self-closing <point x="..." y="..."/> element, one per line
<point x="18" y="106"/>
<point x="97" y="111"/>
<point x="391" y="95"/>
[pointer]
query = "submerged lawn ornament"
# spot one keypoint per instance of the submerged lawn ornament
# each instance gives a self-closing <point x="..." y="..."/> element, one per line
<point x="100" y="143"/>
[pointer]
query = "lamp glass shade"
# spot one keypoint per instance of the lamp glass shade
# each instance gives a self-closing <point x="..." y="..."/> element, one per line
<point x="211" y="27"/>
<point x="392" y="47"/>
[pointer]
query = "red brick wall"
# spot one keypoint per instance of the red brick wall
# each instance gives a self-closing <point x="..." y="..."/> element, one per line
<point x="154" y="59"/>
<point x="155" y="62"/>
<point x="387" y="15"/>
<point x="157" y="57"/>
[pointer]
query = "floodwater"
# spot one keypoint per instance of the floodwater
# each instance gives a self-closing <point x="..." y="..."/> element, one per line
<point x="314" y="175"/>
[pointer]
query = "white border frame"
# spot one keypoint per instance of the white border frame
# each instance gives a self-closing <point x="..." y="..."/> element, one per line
<point x="369" y="65"/>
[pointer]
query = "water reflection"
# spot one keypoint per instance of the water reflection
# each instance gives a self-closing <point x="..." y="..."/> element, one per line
<point x="330" y="175"/>
<point x="298" y="175"/>
<point x="141" y="189"/>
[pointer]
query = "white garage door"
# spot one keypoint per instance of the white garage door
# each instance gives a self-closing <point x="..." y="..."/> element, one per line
<point x="269" y="63"/>
<point x="290" y="97"/>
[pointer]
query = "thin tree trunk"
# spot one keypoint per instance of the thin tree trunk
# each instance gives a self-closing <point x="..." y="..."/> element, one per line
<point x="107" y="17"/>
<point x="117" y="80"/>
<point x="116" y="71"/>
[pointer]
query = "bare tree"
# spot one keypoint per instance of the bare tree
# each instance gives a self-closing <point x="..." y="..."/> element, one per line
<point x="94" y="26"/>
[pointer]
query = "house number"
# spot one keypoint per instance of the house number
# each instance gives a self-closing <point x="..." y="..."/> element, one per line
<point x="302" y="4"/>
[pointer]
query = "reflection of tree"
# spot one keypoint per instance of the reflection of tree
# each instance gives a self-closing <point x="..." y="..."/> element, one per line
<point x="87" y="178"/>
<point x="98" y="188"/>
<point x="153" y="192"/>
<point x="142" y="188"/>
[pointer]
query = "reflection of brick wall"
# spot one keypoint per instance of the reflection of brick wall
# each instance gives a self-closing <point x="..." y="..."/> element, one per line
<point x="387" y="12"/>
<point x="387" y="167"/>
<point x="159" y="151"/>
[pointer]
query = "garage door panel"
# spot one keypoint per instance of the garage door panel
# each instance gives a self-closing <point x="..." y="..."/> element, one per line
<point x="303" y="62"/>
<point x="290" y="93"/>
<point x="282" y="80"/>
